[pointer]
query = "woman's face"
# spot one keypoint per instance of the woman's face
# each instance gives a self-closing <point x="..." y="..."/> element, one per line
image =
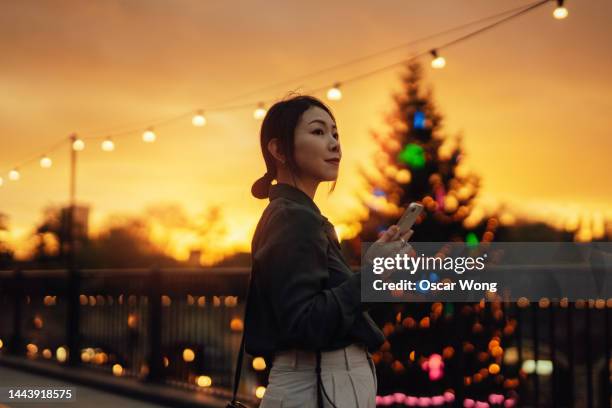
<point x="317" y="148"/>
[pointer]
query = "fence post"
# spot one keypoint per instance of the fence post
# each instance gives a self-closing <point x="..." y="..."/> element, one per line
<point x="15" y="346"/>
<point x="155" y="357"/>
<point x="73" y="326"/>
<point x="536" y="353"/>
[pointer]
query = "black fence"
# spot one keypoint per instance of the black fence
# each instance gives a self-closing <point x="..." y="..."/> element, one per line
<point x="182" y="327"/>
<point x="177" y="326"/>
<point x="575" y="338"/>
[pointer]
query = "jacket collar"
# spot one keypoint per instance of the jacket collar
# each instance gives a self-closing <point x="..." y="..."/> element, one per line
<point x="292" y="193"/>
<point x="297" y="195"/>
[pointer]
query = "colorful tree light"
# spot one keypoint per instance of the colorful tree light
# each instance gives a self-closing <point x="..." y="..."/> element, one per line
<point x="471" y="239"/>
<point x="413" y="155"/>
<point x="419" y="120"/>
<point x="440" y="195"/>
<point x="434" y="366"/>
<point x="378" y="192"/>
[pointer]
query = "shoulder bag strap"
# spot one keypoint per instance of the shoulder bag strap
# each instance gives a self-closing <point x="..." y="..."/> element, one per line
<point x="241" y="352"/>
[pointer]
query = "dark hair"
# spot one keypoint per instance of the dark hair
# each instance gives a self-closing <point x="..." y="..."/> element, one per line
<point x="280" y="122"/>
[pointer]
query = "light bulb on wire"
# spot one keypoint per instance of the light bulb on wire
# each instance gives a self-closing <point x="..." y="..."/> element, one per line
<point x="148" y="136"/>
<point x="108" y="145"/>
<point x="45" y="162"/>
<point x="438" y="61"/>
<point x="334" y="93"/>
<point x="260" y="111"/>
<point x="78" y="145"/>
<point x="560" y="12"/>
<point x="199" y="119"/>
<point x="14" y="175"/>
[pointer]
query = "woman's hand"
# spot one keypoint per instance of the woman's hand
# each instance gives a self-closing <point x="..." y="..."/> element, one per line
<point x="390" y="243"/>
<point x="393" y="234"/>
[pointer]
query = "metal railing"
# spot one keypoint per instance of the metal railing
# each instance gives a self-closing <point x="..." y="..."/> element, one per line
<point x="183" y="327"/>
<point x="173" y="326"/>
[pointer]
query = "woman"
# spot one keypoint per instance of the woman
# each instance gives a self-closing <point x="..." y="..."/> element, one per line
<point x="304" y="297"/>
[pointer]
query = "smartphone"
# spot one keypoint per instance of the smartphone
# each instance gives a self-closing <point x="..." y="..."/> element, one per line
<point x="409" y="217"/>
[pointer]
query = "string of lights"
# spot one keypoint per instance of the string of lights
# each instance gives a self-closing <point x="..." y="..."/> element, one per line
<point x="333" y="93"/>
<point x="291" y="81"/>
<point x="371" y="56"/>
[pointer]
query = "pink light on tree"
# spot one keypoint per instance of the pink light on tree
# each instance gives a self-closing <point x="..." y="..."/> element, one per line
<point x="434" y="366"/>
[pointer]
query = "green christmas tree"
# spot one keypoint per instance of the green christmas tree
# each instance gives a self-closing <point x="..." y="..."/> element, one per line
<point x="447" y="351"/>
<point x="416" y="163"/>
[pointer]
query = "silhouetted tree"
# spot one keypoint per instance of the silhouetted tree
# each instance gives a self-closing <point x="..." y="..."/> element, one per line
<point x="6" y="254"/>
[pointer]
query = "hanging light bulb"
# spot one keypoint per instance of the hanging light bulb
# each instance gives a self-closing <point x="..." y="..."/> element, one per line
<point x="199" y="119"/>
<point x="78" y="145"/>
<point x="108" y="145"/>
<point x="260" y="112"/>
<point x="334" y="93"/>
<point x="560" y="12"/>
<point x="45" y="162"/>
<point x="14" y="175"/>
<point x="438" y="62"/>
<point x="148" y="136"/>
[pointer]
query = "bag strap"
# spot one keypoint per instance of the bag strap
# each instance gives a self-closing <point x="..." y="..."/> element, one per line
<point x="238" y="369"/>
<point x="319" y="381"/>
<point x="320" y="384"/>
<point x="241" y="355"/>
<point x="241" y="352"/>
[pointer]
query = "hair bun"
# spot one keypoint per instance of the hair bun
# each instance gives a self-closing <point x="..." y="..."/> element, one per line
<point x="261" y="187"/>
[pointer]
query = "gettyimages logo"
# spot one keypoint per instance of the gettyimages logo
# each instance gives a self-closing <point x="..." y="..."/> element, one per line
<point x="455" y="271"/>
<point x="413" y="264"/>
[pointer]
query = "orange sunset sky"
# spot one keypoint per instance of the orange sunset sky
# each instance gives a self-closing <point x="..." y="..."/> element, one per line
<point x="532" y="99"/>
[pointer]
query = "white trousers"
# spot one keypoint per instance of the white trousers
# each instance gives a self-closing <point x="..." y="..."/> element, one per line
<point x="348" y="375"/>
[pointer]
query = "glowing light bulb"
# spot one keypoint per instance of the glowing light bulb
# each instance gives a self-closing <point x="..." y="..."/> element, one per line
<point x="203" y="381"/>
<point x="199" y="119"/>
<point x="260" y="112"/>
<point x="78" y="145"/>
<point x="560" y="13"/>
<point x="438" y="62"/>
<point x="14" y="175"/>
<point x="117" y="370"/>
<point x="334" y="93"/>
<point x="45" y="162"/>
<point x="148" y="136"/>
<point x="61" y="354"/>
<point x="108" y="145"/>
<point x="259" y="363"/>
<point x="188" y="355"/>
<point x="1" y="181"/>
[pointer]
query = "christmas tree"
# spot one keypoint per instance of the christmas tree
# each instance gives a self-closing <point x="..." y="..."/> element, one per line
<point x="436" y="353"/>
